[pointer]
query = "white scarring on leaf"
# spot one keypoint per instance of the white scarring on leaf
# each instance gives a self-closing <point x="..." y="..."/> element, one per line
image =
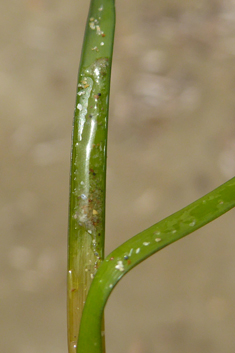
<point x="120" y="266"/>
<point x="158" y="239"/>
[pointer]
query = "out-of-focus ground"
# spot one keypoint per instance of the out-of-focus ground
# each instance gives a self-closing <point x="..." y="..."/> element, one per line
<point x="171" y="140"/>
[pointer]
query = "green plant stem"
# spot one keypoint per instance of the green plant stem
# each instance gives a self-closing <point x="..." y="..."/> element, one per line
<point x="88" y="161"/>
<point x="141" y="246"/>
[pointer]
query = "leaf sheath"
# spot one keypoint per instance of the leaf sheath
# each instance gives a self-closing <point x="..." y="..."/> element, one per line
<point x="88" y="161"/>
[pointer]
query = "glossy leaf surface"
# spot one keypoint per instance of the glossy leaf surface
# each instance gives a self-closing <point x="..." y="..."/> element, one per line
<point x="88" y="161"/>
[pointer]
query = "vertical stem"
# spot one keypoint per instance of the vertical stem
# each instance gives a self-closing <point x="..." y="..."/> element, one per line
<point x="88" y="161"/>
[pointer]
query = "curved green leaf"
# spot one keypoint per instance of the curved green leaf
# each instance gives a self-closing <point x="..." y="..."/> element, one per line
<point x="140" y="247"/>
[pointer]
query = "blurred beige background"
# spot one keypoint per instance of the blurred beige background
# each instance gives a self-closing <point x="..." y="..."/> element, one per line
<point x="171" y="140"/>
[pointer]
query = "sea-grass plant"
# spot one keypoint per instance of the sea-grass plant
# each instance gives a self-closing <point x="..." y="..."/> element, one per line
<point x="91" y="276"/>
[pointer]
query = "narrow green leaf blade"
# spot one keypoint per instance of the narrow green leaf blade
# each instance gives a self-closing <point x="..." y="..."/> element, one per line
<point x="140" y="247"/>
